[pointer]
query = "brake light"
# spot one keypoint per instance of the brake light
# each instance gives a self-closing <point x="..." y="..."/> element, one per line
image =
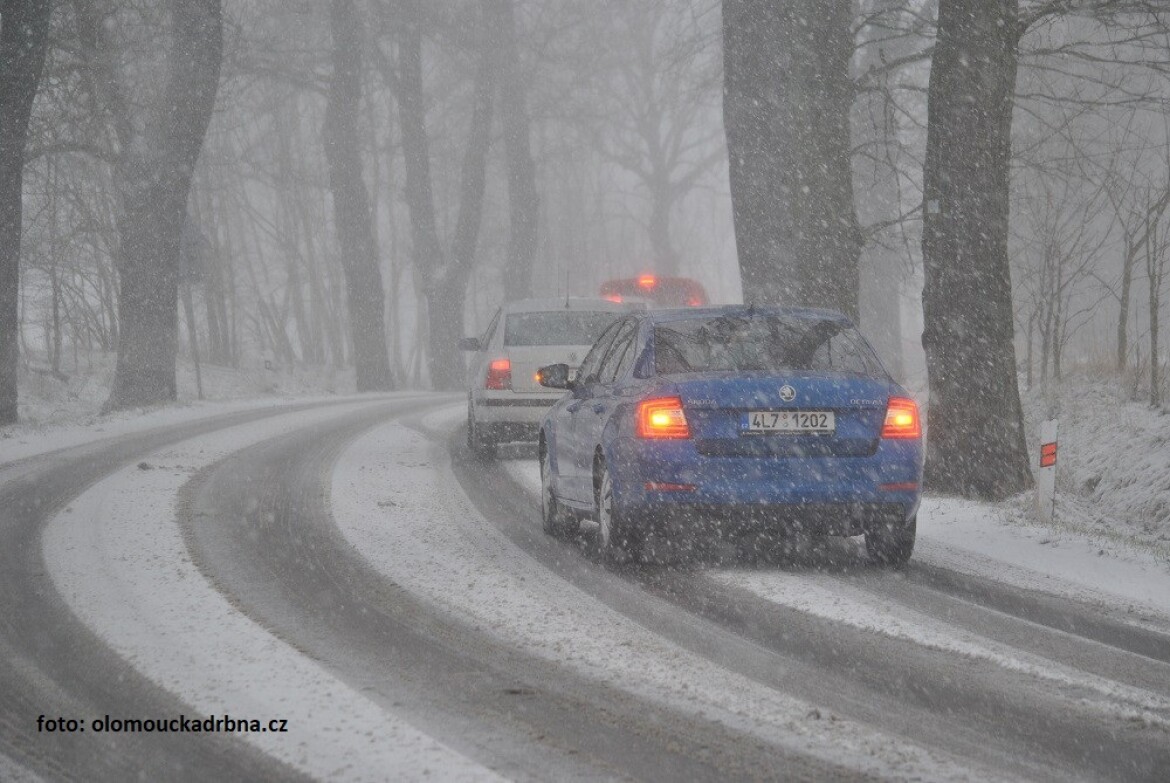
<point x="662" y="418"/>
<point x="499" y="375"/>
<point x="694" y="301"/>
<point x="613" y="298"/>
<point x="902" y="419"/>
<point x="647" y="281"/>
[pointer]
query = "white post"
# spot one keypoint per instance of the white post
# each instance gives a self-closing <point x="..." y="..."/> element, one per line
<point x="1046" y="480"/>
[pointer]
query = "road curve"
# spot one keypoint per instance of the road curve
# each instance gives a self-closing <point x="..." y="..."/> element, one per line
<point x="1084" y="694"/>
<point x="288" y="568"/>
<point x="51" y="664"/>
<point x="1020" y="724"/>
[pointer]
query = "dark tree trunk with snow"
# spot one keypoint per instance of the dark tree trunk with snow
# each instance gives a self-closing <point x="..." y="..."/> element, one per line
<point x="445" y="283"/>
<point x="450" y="288"/>
<point x="24" y="34"/>
<point x="523" y="200"/>
<point x="351" y="204"/>
<point x="154" y="177"/>
<point x="786" y="109"/>
<point x="975" y="443"/>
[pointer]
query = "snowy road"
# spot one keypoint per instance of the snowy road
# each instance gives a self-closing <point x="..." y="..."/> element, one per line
<point x="349" y="569"/>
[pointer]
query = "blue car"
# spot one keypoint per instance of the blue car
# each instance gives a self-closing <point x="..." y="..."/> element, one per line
<point x="735" y="421"/>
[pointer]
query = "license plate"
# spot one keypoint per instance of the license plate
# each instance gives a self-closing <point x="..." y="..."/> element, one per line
<point x="767" y="422"/>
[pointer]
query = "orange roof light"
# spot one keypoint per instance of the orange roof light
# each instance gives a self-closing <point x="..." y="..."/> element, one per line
<point x="647" y="281"/>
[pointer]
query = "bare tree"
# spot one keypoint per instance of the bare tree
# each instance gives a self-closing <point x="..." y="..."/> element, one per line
<point x="24" y="32"/>
<point x="975" y="441"/>
<point x="444" y="281"/>
<point x="786" y="108"/>
<point x="1157" y="254"/>
<point x="1061" y="244"/>
<point x="351" y="205"/>
<point x="155" y="161"/>
<point x="523" y="199"/>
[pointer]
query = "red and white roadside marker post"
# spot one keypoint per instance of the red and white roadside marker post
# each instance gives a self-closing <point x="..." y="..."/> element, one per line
<point x="1046" y="480"/>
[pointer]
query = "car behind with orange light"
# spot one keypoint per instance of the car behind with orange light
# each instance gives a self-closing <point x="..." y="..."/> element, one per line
<point x="740" y="421"/>
<point x="505" y="401"/>
<point x="656" y="291"/>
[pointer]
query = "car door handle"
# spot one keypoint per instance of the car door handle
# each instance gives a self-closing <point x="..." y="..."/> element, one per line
<point x="599" y="407"/>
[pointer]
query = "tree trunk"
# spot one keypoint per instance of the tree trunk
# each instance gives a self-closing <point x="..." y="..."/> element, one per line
<point x="1155" y="381"/>
<point x="1155" y="270"/>
<point x="1031" y="327"/>
<point x="975" y="444"/>
<point x="1123" y="314"/>
<point x="444" y="283"/>
<point x="446" y="303"/>
<point x="192" y="337"/>
<point x="24" y="35"/>
<point x="786" y="107"/>
<point x="351" y="206"/>
<point x="662" y="204"/>
<point x="523" y="199"/>
<point x="154" y="178"/>
<point x="426" y="248"/>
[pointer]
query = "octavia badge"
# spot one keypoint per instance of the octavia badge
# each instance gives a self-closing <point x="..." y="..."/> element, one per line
<point x="787" y="393"/>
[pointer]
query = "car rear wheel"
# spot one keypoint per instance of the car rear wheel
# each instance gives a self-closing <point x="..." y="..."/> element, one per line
<point x="615" y="540"/>
<point x="892" y="544"/>
<point x="480" y="444"/>
<point x="557" y="520"/>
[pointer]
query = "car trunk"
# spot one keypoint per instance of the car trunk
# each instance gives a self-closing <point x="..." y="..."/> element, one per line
<point x="527" y="359"/>
<point x="717" y="405"/>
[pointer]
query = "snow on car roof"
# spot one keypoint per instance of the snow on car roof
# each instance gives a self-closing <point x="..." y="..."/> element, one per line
<point x="686" y="313"/>
<point x="572" y="303"/>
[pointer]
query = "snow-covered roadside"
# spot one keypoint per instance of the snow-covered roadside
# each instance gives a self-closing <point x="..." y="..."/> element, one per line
<point x="980" y="539"/>
<point x="976" y="538"/>
<point x="969" y="537"/>
<point x="472" y="571"/>
<point x="20" y="441"/>
<point x="1113" y="475"/>
<point x="827" y="596"/>
<point x="117" y="557"/>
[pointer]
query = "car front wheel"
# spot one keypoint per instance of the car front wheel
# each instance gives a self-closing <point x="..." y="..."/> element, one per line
<point x="557" y="520"/>
<point x="892" y="544"/>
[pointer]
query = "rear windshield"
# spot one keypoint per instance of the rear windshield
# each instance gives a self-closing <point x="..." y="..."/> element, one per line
<point x="559" y="327"/>
<point x="761" y="343"/>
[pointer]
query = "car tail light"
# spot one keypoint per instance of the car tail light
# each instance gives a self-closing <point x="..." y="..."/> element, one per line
<point x="662" y="418"/>
<point x="902" y="419"/>
<point x="694" y="301"/>
<point x="499" y="375"/>
<point x="613" y="298"/>
<point x="668" y="486"/>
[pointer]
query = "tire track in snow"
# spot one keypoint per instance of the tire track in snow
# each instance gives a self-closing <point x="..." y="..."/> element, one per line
<point x="1008" y="708"/>
<point x="119" y="560"/>
<point x="473" y="572"/>
<point x="51" y="663"/>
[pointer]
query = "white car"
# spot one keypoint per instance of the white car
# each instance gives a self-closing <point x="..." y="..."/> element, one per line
<point x="505" y="401"/>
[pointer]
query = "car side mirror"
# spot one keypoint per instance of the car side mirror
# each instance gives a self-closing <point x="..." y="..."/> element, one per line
<point x="554" y="376"/>
<point x="469" y="344"/>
